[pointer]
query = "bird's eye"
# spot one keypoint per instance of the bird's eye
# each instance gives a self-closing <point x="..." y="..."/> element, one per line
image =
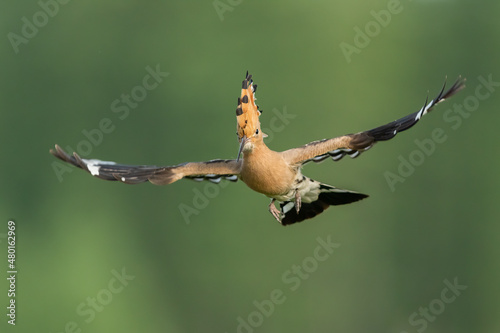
<point x="257" y="131"/>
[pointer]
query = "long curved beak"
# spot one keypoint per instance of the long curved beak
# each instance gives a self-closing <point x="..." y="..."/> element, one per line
<point x="242" y="144"/>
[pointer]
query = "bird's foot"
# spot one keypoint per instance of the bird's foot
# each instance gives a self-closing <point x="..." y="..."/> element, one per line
<point x="275" y="211"/>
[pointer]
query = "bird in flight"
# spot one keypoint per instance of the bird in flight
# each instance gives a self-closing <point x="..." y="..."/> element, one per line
<point x="278" y="175"/>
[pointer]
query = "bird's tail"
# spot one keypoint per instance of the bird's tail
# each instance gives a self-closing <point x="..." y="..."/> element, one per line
<point x="324" y="196"/>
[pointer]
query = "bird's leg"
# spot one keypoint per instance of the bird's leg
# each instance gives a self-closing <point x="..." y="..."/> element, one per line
<point x="298" y="201"/>
<point x="275" y="211"/>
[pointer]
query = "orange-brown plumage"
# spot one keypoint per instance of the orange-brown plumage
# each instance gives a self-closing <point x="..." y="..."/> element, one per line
<point x="247" y="112"/>
<point x="275" y="174"/>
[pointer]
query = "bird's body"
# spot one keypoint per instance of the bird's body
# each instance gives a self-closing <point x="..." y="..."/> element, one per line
<point x="277" y="175"/>
<point x="266" y="171"/>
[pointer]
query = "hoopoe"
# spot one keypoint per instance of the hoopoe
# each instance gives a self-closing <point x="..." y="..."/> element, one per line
<point x="276" y="174"/>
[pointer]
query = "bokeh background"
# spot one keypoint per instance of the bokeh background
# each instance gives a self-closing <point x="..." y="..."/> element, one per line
<point x="205" y="270"/>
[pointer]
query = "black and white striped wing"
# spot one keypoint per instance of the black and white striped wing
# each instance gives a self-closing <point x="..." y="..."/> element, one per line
<point x="214" y="170"/>
<point x="354" y="144"/>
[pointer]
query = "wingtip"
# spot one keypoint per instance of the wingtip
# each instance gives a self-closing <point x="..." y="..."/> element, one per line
<point x="80" y="162"/>
<point x="60" y="154"/>
<point x="55" y="150"/>
<point x="460" y="83"/>
<point x="438" y="97"/>
<point x="426" y="101"/>
<point x="455" y="88"/>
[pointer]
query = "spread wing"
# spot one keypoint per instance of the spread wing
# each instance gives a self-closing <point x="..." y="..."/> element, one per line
<point x="213" y="171"/>
<point x="354" y="144"/>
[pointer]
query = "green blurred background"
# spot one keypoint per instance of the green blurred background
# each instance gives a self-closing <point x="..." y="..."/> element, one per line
<point x="396" y="248"/>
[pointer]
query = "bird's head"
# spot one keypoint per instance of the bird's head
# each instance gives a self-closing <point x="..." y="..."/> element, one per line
<point x="247" y="118"/>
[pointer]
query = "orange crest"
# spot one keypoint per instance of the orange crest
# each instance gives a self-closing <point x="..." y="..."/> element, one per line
<point x="247" y="113"/>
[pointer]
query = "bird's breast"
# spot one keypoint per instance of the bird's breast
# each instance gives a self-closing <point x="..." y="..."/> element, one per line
<point x="268" y="173"/>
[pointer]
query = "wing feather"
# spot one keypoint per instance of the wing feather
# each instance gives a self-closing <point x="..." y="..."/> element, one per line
<point x="214" y="170"/>
<point x="354" y="144"/>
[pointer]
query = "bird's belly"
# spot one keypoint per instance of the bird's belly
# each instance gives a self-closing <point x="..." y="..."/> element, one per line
<point x="267" y="184"/>
<point x="307" y="188"/>
<point x="269" y="181"/>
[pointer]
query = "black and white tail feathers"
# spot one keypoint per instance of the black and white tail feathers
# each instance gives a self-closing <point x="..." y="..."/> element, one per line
<point x="328" y="196"/>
